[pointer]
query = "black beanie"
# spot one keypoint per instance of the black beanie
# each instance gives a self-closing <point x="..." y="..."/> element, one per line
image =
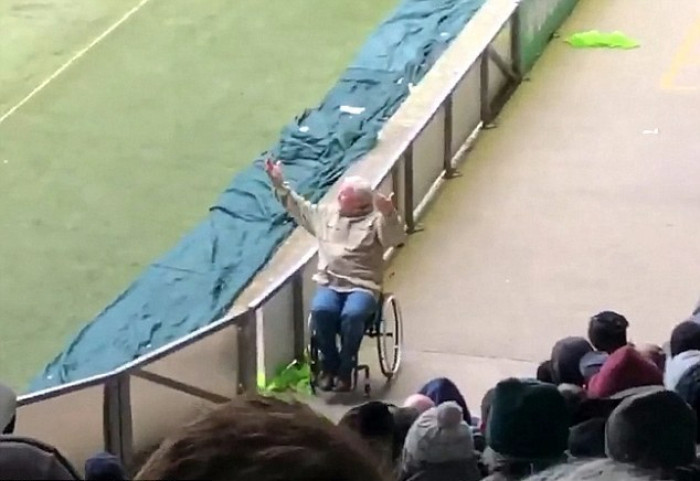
<point x="528" y="420"/>
<point x="607" y="331"/>
<point x="652" y="430"/>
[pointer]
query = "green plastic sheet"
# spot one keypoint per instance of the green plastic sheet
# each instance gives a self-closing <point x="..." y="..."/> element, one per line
<point x="597" y="39"/>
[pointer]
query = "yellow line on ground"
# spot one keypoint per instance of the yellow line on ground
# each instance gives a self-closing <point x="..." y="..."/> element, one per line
<point x="681" y="59"/>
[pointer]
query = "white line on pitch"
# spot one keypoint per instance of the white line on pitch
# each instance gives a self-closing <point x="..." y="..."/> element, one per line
<point x="70" y="62"/>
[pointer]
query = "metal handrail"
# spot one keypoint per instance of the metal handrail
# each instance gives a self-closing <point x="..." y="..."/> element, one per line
<point x="134" y="365"/>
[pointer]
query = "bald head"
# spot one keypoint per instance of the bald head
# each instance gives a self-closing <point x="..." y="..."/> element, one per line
<point x="355" y="196"/>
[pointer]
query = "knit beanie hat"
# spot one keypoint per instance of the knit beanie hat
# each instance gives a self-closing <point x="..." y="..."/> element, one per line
<point x="591" y="363"/>
<point x="624" y="369"/>
<point x="8" y="406"/>
<point x="607" y="331"/>
<point x="528" y="420"/>
<point x="678" y="365"/>
<point x="652" y="430"/>
<point x="685" y="337"/>
<point x="566" y="356"/>
<point x="439" y="435"/>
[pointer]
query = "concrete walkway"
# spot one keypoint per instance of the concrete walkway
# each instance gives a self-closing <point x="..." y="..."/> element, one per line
<point x="585" y="198"/>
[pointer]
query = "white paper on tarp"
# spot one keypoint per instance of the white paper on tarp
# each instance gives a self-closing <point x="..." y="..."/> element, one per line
<point x="349" y="109"/>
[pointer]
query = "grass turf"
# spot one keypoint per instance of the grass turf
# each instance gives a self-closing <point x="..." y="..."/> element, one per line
<point x="110" y="164"/>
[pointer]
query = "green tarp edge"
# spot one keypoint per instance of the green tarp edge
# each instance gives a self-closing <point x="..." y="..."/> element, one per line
<point x="193" y="284"/>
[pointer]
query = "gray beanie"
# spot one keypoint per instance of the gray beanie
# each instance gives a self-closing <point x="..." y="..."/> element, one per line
<point x="439" y="435"/>
<point x="8" y="406"/>
<point x="652" y="430"/>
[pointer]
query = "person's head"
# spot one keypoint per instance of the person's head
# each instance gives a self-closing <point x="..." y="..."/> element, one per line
<point x="104" y="467"/>
<point x="373" y="422"/>
<point x="566" y="357"/>
<point x="441" y="390"/>
<point x="677" y="366"/>
<point x="587" y="439"/>
<point x="598" y="470"/>
<point x="25" y="458"/>
<point x="404" y="417"/>
<point x="624" y="369"/>
<point x="419" y="402"/>
<point x="685" y="337"/>
<point x="652" y="430"/>
<point x="607" y="331"/>
<point x="544" y="372"/>
<point x="8" y="409"/>
<point x="654" y="354"/>
<point x="355" y="197"/>
<point x="591" y="363"/>
<point x="485" y="410"/>
<point x="438" y="436"/>
<point x="573" y="395"/>
<point x="254" y="438"/>
<point x="528" y="420"/>
<point x="688" y="388"/>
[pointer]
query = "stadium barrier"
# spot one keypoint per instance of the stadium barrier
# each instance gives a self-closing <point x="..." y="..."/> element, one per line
<point x="132" y="408"/>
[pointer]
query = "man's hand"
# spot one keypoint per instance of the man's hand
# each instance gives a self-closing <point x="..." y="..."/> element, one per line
<point x="274" y="171"/>
<point x="384" y="204"/>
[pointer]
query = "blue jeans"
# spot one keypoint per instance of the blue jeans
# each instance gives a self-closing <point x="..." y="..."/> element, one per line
<point x="345" y="314"/>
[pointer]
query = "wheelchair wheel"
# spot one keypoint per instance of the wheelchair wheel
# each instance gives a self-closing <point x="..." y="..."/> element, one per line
<point x="390" y="337"/>
<point x="314" y="365"/>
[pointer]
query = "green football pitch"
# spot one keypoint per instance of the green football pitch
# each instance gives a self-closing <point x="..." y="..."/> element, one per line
<point x="119" y="152"/>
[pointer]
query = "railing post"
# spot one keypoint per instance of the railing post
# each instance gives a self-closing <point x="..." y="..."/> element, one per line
<point x="117" y="421"/>
<point x="484" y="90"/>
<point x="408" y="189"/>
<point x="247" y="344"/>
<point x="515" y="40"/>
<point x="298" y="314"/>
<point x="447" y="135"/>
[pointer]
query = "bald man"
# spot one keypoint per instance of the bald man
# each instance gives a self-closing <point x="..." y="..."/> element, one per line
<point x="352" y="233"/>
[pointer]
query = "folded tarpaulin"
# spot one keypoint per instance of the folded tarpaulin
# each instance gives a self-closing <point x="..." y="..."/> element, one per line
<point x="193" y="285"/>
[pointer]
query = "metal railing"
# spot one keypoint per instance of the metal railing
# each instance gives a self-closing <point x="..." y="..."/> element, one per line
<point x="131" y="408"/>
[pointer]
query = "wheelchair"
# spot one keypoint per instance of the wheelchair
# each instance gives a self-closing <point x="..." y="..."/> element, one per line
<point x="385" y="327"/>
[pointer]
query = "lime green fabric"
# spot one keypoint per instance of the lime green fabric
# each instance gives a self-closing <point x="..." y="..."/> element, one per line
<point x="597" y="39"/>
<point x="295" y="377"/>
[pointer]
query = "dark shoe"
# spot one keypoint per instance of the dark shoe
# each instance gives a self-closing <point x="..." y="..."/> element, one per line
<point x="325" y="382"/>
<point x="343" y="385"/>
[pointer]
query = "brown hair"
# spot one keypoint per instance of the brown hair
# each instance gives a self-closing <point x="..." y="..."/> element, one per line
<point x="261" y="439"/>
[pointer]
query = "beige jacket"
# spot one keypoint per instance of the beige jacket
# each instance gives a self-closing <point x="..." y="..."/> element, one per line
<point x="350" y="249"/>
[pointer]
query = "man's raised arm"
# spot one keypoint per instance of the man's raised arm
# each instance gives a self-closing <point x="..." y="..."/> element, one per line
<point x="305" y="213"/>
<point x="391" y="229"/>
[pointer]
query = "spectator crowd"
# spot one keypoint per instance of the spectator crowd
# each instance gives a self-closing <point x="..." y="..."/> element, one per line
<point x="599" y="409"/>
